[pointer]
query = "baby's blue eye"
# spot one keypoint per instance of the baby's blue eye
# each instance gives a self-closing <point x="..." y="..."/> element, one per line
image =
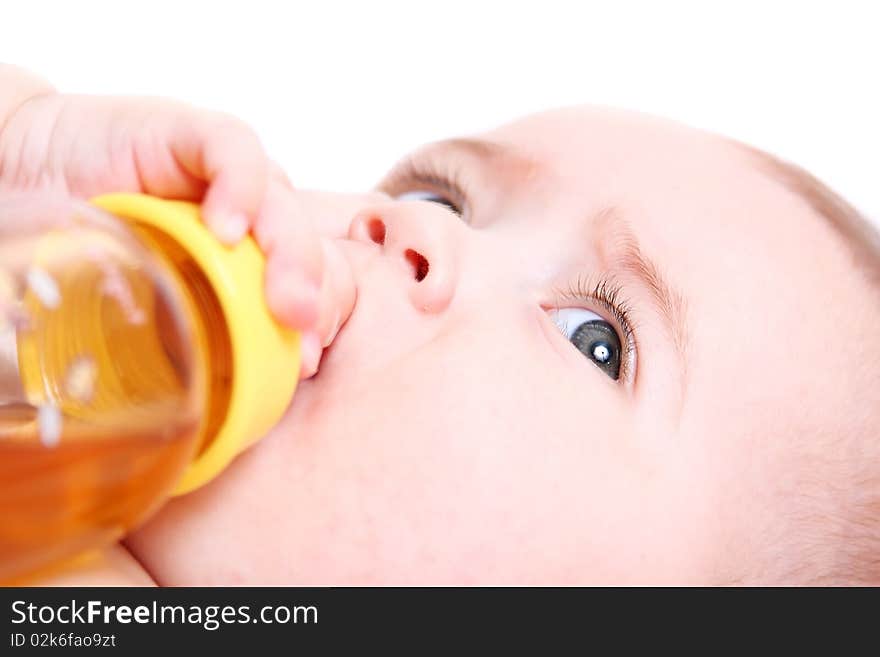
<point x="592" y="336"/>
<point x="431" y="197"/>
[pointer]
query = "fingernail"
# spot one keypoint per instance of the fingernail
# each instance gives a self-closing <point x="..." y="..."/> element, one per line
<point x="230" y="229"/>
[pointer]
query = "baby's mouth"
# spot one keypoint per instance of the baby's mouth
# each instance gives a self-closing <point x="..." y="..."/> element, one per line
<point x="358" y="257"/>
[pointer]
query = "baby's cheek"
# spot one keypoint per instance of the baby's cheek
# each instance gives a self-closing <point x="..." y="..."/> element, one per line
<point x="496" y="477"/>
<point x="426" y="497"/>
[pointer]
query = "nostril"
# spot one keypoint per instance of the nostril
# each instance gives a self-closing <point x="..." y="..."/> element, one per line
<point x="419" y="264"/>
<point x="376" y="230"/>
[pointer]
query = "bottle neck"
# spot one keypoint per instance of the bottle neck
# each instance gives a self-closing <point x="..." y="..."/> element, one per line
<point x="212" y="337"/>
<point x="241" y="338"/>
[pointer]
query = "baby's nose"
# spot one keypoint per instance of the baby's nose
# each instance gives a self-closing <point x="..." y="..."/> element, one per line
<point x="422" y="239"/>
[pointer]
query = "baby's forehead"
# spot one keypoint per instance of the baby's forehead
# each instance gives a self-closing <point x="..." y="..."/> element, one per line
<point x="677" y="178"/>
<point x="653" y="169"/>
<point x="670" y="182"/>
<point x="607" y="132"/>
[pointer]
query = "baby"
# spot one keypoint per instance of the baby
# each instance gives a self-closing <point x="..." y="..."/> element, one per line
<point x="590" y="347"/>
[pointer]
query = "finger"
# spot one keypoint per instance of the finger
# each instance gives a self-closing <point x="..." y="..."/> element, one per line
<point x="337" y="301"/>
<point x="292" y="299"/>
<point x="310" y="351"/>
<point x="338" y="293"/>
<point x="228" y="156"/>
<point x="278" y="176"/>
<point x="295" y="267"/>
<point x="24" y="213"/>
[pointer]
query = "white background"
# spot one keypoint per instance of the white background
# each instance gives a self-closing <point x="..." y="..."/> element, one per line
<point x="338" y="91"/>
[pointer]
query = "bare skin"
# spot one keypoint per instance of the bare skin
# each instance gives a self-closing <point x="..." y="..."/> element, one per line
<point x="454" y="434"/>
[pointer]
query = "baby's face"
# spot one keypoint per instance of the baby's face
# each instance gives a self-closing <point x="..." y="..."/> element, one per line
<point x="675" y="428"/>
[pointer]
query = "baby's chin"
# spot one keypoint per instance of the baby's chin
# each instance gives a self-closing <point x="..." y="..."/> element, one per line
<point x="234" y="530"/>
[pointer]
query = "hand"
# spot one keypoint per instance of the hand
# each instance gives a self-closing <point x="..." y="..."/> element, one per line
<point x="84" y="146"/>
<point x="310" y="216"/>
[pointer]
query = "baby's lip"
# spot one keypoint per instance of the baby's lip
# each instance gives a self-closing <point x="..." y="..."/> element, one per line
<point x="326" y="356"/>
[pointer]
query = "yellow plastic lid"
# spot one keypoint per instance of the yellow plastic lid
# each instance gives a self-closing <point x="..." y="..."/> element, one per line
<point x="265" y="356"/>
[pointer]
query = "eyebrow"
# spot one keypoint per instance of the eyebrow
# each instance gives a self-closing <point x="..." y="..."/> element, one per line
<point x="626" y="256"/>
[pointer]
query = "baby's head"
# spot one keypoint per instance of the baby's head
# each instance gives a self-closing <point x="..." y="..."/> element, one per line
<point x="641" y="354"/>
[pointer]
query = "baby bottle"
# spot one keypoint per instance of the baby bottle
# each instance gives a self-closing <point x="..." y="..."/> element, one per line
<point x="137" y="359"/>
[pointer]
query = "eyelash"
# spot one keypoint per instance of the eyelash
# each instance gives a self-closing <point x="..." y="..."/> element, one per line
<point x="420" y="173"/>
<point x="583" y="290"/>
<point x="608" y="295"/>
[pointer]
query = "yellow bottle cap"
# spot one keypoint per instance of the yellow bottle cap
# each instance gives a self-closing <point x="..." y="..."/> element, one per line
<point x="265" y="357"/>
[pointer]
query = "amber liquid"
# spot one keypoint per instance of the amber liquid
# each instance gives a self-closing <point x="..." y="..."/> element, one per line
<point x="89" y="490"/>
<point x="160" y="360"/>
